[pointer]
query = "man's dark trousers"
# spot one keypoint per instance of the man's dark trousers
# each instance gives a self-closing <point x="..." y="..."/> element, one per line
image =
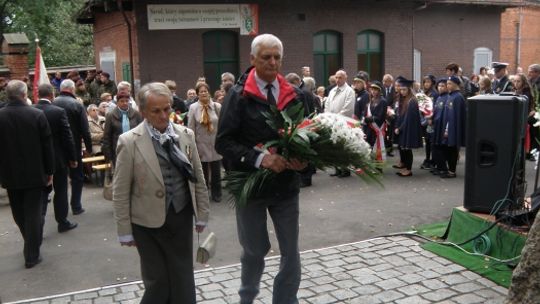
<point x="77" y="183"/>
<point x="253" y="236"/>
<point x="26" y="208"/>
<point x="60" y="200"/>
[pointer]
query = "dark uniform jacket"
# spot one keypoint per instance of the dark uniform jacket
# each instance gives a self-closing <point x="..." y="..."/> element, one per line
<point x="242" y="126"/>
<point x="64" y="148"/>
<point x="27" y="155"/>
<point x="502" y="85"/>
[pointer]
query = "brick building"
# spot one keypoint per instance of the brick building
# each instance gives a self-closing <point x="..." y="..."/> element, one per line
<point x="400" y="37"/>
<point x="520" y="36"/>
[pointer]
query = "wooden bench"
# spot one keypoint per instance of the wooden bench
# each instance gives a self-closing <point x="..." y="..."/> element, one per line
<point x="101" y="167"/>
<point x="93" y="159"/>
<point x="98" y="166"/>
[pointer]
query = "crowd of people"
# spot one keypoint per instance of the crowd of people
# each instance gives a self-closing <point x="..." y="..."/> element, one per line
<point x="179" y="146"/>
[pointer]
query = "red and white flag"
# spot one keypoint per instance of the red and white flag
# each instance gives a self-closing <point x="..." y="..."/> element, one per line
<point x="40" y="73"/>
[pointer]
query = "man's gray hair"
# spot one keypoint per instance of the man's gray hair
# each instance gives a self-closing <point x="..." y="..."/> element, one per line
<point x="309" y="84"/>
<point x="535" y="67"/>
<point x="228" y="75"/>
<point x="67" y="84"/>
<point x="17" y="90"/>
<point x="266" y="40"/>
<point x="154" y="89"/>
<point x="123" y="84"/>
<point x="45" y="90"/>
<point x="293" y="78"/>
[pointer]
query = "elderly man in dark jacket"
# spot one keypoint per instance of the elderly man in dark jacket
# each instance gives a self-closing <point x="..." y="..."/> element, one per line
<point x="78" y="122"/>
<point x="26" y="165"/>
<point x="241" y="127"/>
<point x="64" y="151"/>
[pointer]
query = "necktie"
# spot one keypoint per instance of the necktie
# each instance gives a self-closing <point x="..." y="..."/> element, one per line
<point x="269" y="96"/>
<point x="176" y="158"/>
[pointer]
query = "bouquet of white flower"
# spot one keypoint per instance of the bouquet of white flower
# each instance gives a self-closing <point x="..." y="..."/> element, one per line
<point x="325" y="140"/>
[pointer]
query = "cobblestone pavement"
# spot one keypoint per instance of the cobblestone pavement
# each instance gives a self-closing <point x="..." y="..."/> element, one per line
<point x="381" y="270"/>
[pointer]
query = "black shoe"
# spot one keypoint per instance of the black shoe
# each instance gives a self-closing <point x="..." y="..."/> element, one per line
<point x="77" y="212"/>
<point x="305" y="184"/>
<point x="448" y="175"/>
<point x="217" y="199"/>
<point x="33" y="263"/>
<point x="66" y="227"/>
<point x="345" y="174"/>
<point x="390" y="154"/>
<point x="426" y="165"/>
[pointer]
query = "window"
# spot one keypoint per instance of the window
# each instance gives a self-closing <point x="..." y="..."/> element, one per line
<point x="327" y="55"/>
<point x="482" y="58"/>
<point x="126" y="71"/>
<point x="220" y="51"/>
<point x="369" y="51"/>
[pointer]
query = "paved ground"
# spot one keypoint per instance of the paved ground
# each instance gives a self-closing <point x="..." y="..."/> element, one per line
<point x="332" y="212"/>
<point x="381" y="270"/>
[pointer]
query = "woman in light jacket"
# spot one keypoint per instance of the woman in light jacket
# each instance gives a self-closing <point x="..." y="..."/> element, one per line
<point x="203" y="118"/>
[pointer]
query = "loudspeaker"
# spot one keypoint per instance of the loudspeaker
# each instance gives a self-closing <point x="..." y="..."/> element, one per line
<point x="494" y="164"/>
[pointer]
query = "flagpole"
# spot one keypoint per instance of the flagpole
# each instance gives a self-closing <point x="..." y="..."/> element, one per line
<point x="37" y="66"/>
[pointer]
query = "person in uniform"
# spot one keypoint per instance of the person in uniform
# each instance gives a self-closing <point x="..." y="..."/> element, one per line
<point x="453" y="124"/>
<point x="375" y="121"/>
<point x="408" y="128"/>
<point x="438" y="128"/>
<point x="501" y="83"/>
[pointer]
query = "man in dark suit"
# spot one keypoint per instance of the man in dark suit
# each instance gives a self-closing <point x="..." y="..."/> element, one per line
<point x="64" y="151"/>
<point x="26" y="165"/>
<point x="389" y="93"/>
<point x="78" y="121"/>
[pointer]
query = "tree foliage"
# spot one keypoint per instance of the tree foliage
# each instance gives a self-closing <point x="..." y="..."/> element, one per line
<point x="62" y="41"/>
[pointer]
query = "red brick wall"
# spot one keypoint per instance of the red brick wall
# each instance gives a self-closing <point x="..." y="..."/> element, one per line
<point x="530" y="37"/>
<point x="110" y="33"/>
<point x="443" y="33"/>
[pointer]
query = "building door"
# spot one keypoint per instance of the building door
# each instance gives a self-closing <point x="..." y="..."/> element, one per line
<point x="369" y="52"/>
<point x="220" y="51"/>
<point x="417" y="61"/>
<point x="482" y="58"/>
<point x="327" y="55"/>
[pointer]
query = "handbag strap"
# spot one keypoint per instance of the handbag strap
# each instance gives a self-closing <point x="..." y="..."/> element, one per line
<point x="198" y="240"/>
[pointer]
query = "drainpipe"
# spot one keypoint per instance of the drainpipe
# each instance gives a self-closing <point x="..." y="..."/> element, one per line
<point x="419" y="8"/>
<point x="130" y="45"/>
<point x="518" y="38"/>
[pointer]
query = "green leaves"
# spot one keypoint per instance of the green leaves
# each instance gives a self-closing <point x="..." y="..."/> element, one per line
<point x="62" y="40"/>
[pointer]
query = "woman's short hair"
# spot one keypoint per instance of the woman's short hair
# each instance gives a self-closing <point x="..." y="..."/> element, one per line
<point x="91" y="107"/>
<point x="200" y="85"/>
<point x="154" y="89"/>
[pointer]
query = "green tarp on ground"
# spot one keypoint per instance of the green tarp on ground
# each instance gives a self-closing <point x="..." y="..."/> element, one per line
<point x="504" y="244"/>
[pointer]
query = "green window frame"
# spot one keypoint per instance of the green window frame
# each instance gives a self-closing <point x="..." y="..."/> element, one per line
<point x="370" y="53"/>
<point x="327" y="54"/>
<point x="220" y="51"/>
<point x="126" y="72"/>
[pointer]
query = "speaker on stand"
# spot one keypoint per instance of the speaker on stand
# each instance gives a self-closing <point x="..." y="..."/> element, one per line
<point x="495" y="162"/>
